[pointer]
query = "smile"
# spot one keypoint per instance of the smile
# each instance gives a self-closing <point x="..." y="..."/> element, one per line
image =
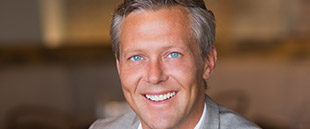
<point x="161" y="97"/>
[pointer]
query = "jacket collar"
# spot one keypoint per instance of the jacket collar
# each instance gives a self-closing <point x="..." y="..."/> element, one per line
<point x="212" y="116"/>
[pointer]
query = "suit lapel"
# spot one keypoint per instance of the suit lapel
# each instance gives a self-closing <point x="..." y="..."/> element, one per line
<point x="135" y="123"/>
<point x="211" y="115"/>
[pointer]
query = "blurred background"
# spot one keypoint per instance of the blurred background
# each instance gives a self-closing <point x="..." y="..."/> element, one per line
<point x="57" y="70"/>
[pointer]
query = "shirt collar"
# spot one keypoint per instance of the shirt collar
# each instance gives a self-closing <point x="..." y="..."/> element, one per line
<point x="198" y="125"/>
<point x="202" y="117"/>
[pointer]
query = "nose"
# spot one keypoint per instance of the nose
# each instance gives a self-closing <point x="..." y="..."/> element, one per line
<point x="155" y="72"/>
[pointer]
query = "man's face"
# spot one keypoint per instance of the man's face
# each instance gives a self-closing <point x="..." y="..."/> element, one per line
<point x="161" y="69"/>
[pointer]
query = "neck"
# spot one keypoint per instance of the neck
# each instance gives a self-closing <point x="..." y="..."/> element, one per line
<point x="191" y="120"/>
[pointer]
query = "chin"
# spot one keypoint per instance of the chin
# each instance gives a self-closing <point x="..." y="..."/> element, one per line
<point x="160" y="123"/>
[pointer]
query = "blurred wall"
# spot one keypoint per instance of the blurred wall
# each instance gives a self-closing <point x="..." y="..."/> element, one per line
<point x="20" y="22"/>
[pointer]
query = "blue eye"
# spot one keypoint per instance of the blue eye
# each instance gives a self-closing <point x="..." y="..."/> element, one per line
<point x="136" y="58"/>
<point x="174" y="55"/>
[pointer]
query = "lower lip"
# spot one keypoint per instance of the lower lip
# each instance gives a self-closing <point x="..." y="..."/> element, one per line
<point x="161" y="102"/>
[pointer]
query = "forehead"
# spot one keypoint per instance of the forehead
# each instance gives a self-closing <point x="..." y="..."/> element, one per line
<point x="154" y="22"/>
<point x="177" y="12"/>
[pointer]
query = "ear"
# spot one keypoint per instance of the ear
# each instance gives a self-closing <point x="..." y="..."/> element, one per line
<point x="209" y="63"/>
<point x="117" y="64"/>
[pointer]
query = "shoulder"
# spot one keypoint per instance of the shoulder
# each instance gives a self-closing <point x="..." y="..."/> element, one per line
<point x="219" y="117"/>
<point x="126" y="121"/>
<point x="232" y="120"/>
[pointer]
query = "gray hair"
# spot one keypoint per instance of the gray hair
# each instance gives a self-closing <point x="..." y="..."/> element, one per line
<point x="202" y="20"/>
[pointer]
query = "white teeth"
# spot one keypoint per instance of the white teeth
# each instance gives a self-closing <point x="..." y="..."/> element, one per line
<point x="161" y="97"/>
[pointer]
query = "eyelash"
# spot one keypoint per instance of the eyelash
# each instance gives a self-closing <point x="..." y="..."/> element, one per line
<point x="174" y="56"/>
<point x="135" y="56"/>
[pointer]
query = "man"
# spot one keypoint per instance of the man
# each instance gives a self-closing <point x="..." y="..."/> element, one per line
<point x="164" y="53"/>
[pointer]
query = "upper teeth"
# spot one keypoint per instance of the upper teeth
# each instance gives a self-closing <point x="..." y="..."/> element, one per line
<point x="161" y="97"/>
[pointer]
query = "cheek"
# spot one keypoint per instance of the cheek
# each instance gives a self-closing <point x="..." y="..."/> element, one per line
<point x="129" y="78"/>
<point x="185" y="73"/>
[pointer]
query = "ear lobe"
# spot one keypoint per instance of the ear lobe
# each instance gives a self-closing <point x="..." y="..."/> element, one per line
<point x="209" y="63"/>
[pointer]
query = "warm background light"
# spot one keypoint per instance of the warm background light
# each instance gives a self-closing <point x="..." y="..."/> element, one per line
<point x="52" y="13"/>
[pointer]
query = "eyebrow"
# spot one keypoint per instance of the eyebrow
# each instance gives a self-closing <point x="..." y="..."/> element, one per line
<point x="132" y="50"/>
<point x="127" y="52"/>
<point x="138" y="50"/>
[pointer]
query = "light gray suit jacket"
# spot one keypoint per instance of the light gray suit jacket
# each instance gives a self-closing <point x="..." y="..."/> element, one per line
<point x="216" y="117"/>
